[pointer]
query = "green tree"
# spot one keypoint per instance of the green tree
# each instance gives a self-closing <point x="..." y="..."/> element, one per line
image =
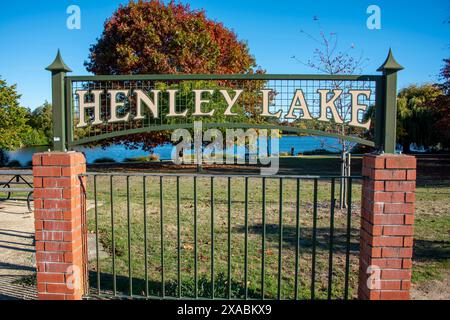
<point x="150" y="37"/>
<point x="41" y="121"/>
<point x="442" y="106"/>
<point x="14" y="129"/>
<point x="416" y="116"/>
<point x="445" y="76"/>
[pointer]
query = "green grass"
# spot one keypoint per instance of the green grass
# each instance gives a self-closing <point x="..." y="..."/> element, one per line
<point x="432" y="233"/>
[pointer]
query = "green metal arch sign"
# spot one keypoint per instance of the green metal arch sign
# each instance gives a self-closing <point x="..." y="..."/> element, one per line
<point x="88" y="109"/>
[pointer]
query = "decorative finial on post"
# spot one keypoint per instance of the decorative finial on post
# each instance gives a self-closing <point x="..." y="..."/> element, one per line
<point x="386" y="115"/>
<point x="58" y="65"/>
<point x="390" y="64"/>
<point x="58" y="69"/>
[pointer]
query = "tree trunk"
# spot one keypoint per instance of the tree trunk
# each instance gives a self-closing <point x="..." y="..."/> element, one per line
<point x="343" y="182"/>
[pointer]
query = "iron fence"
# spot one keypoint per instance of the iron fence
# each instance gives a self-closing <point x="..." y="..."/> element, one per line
<point x="197" y="236"/>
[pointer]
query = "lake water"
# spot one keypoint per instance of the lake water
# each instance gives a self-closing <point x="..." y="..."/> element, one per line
<point x="120" y="153"/>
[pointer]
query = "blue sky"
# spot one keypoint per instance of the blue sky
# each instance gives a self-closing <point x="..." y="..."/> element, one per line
<point x="32" y="31"/>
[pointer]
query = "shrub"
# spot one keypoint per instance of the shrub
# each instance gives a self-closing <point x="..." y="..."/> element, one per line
<point x="14" y="164"/>
<point x="319" y="152"/>
<point x="105" y="160"/>
<point x="150" y="158"/>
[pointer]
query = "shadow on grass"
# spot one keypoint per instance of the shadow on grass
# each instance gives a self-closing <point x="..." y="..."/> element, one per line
<point x="306" y="236"/>
<point x="432" y="183"/>
<point x="424" y="250"/>
<point x="171" y="288"/>
<point x="429" y="250"/>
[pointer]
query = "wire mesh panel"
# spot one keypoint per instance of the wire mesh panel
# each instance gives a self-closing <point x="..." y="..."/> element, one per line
<point x="175" y="98"/>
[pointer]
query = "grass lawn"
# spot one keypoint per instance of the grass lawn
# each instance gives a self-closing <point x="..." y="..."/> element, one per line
<point x="432" y="234"/>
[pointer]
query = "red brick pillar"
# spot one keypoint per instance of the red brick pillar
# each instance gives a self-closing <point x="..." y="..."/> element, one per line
<point x="58" y="223"/>
<point x="387" y="219"/>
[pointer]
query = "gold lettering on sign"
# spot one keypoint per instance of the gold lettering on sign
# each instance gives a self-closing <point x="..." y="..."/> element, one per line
<point x="88" y="105"/>
<point x="298" y="109"/>
<point x="303" y="106"/>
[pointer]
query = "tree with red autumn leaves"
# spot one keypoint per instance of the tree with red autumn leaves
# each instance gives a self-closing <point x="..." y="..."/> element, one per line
<point x="150" y="37"/>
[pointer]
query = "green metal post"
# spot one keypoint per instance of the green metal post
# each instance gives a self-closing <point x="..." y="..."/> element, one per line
<point x="386" y="126"/>
<point x="58" y="69"/>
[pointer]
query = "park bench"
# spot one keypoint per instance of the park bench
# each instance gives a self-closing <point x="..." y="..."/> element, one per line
<point x="16" y="178"/>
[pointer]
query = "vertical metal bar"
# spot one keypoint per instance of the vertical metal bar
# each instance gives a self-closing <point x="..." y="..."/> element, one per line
<point x="314" y="237"/>
<point x="113" y="242"/>
<point x="229" y="238"/>
<point x="84" y="253"/>
<point x="390" y="109"/>
<point x="212" y="238"/>
<point x="130" y="276"/>
<point x="330" y="254"/>
<point x="297" y="242"/>
<point x="280" y="239"/>
<point x="96" y="235"/>
<point x="195" y="240"/>
<point x="161" y="207"/>
<point x="349" y="227"/>
<point x="178" y="238"/>
<point x="58" y="70"/>
<point x="246" y="241"/>
<point x="342" y="183"/>
<point x="144" y="191"/>
<point x="263" y="244"/>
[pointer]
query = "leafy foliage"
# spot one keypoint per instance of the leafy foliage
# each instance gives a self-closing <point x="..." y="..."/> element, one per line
<point x="150" y="37"/>
<point x="442" y="107"/>
<point x="417" y="115"/>
<point x="18" y="126"/>
<point x="14" y="130"/>
<point x="41" y="120"/>
<point x="445" y="76"/>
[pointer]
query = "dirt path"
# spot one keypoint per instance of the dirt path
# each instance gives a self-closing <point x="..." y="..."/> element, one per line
<point x="16" y="250"/>
<point x="17" y="254"/>
<point x="432" y="290"/>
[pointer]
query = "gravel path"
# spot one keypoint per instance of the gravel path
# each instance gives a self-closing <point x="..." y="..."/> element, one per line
<point x="16" y="250"/>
